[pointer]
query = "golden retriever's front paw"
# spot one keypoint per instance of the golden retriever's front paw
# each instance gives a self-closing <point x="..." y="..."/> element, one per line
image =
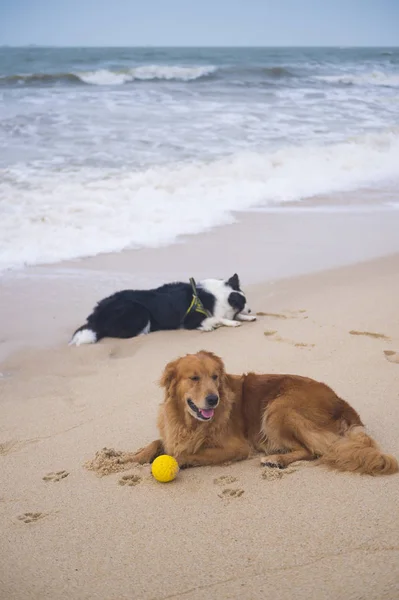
<point x="140" y="457"/>
<point x="269" y="461"/>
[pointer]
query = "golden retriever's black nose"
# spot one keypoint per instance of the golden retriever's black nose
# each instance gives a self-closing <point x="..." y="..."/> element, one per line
<point x="212" y="400"/>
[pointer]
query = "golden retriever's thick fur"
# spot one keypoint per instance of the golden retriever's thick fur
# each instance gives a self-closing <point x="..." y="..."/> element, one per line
<point x="209" y="417"/>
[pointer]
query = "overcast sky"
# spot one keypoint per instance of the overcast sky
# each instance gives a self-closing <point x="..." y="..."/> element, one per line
<point x="200" y="23"/>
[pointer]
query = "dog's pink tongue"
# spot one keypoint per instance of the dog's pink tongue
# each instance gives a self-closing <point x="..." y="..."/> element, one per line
<point x="207" y="413"/>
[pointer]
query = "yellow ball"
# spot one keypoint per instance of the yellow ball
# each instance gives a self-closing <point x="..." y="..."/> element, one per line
<point x="164" y="468"/>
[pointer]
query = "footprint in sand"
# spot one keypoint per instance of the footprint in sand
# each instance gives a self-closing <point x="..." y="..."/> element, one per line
<point x="130" y="480"/>
<point x="225" y="480"/>
<point x="273" y="315"/>
<point x="271" y="473"/>
<point x="14" y="445"/>
<point x="231" y="493"/>
<point x="31" y="517"/>
<point x="271" y="333"/>
<point x="56" y="476"/>
<point x="392" y="356"/>
<point x="292" y="314"/>
<point x="377" y="336"/>
<point x="7" y="447"/>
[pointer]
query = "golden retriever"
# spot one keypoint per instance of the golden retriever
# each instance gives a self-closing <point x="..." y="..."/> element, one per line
<point x="209" y="417"/>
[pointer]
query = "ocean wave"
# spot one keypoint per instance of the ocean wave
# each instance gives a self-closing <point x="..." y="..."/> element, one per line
<point x="48" y="216"/>
<point x="377" y="78"/>
<point x="38" y="79"/>
<point x="113" y="77"/>
<point x="185" y="74"/>
<point x="147" y="73"/>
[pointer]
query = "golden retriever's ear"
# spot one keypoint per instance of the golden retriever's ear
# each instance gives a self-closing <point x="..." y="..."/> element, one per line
<point x="168" y="375"/>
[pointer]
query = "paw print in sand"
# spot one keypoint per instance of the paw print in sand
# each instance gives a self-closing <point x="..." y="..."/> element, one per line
<point x="30" y="517"/>
<point x="231" y="493"/>
<point x="392" y="356"/>
<point x="55" y="476"/>
<point x="130" y="480"/>
<point x="225" y="480"/>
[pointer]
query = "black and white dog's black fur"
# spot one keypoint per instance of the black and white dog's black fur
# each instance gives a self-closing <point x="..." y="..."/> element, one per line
<point x="134" y="312"/>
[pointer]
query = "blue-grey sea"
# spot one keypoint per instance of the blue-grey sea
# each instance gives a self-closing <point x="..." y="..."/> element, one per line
<point x="103" y="149"/>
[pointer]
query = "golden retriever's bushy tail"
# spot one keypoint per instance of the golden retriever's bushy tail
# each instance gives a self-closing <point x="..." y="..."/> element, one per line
<point x="357" y="452"/>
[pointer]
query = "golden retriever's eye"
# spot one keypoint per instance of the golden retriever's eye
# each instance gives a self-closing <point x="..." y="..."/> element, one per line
<point x="195" y="378"/>
<point x="214" y="377"/>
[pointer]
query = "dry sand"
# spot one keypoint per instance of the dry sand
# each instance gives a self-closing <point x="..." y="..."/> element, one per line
<point x="236" y="531"/>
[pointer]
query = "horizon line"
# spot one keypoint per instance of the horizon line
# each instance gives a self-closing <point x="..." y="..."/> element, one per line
<point x="339" y="46"/>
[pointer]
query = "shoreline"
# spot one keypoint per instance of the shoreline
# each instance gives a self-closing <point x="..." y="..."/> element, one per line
<point x="365" y="204"/>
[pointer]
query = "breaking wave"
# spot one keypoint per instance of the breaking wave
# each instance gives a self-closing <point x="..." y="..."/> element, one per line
<point x="144" y="73"/>
<point x="73" y="214"/>
<point x="378" y="78"/>
<point x="113" y="77"/>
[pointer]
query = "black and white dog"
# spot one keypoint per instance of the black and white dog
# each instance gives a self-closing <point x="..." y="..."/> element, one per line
<point x="210" y="304"/>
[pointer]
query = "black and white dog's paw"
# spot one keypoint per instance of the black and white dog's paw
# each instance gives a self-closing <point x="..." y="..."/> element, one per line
<point x="235" y="324"/>
<point x="206" y="327"/>
<point x="244" y="317"/>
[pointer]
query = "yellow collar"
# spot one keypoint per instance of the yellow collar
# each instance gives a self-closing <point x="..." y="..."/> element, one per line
<point x="196" y="304"/>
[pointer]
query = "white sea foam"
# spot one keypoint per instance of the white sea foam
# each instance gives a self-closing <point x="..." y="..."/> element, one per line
<point x="48" y="216"/>
<point x="104" y="77"/>
<point x="146" y="73"/>
<point x="378" y="78"/>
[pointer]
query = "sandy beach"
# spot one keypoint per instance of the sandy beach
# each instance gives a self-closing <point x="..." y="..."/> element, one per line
<point x="152" y="144"/>
<point x="234" y="531"/>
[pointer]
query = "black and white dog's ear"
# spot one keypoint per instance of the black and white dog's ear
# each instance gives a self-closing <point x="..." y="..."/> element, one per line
<point x="234" y="282"/>
<point x="237" y="301"/>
